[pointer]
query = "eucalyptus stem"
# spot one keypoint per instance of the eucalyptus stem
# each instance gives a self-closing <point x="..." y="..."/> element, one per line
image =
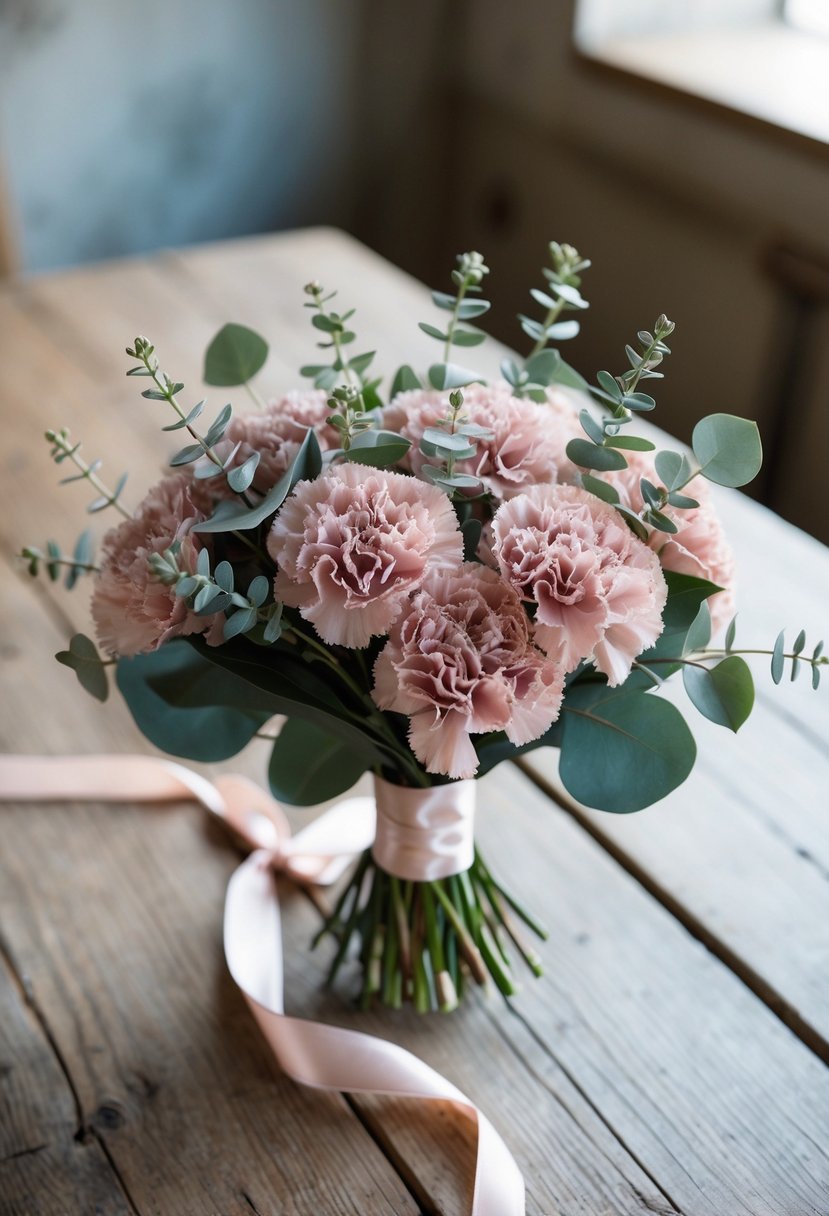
<point x="550" y="319"/>
<point x="64" y="450"/>
<point x="168" y="388"/>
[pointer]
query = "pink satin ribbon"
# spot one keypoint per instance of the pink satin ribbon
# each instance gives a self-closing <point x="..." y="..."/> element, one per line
<point x="325" y="1057"/>
<point x="424" y="834"/>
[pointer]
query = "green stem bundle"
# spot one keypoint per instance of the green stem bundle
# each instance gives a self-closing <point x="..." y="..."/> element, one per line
<point x="424" y="942"/>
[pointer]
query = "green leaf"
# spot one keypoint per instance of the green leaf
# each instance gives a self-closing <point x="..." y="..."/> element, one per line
<point x="777" y="660"/>
<point x="589" y="455"/>
<point x="309" y="766"/>
<point x="633" y="521"/>
<point x="82" y="656"/>
<point x="622" y="750"/>
<point x="432" y="331"/>
<point x="468" y="310"/>
<point x="234" y="356"/>
<point x="442" y="300"/>
<point x="328" y="325"/>
<point x="591" y="427"/>
<point x="673" y="468"/>
<point x="234" y="676"/>
<point x="229" y="518"/>
<point x="731" y="633"/>
<point x="568" y="377"/>
<point x="209" y="731"/>
<point x="600" y="488"/>
<point x="378" y="448"/>
<point x="562" y="331"/>
<point x="468" y="337"/>
<point x="686" y="593"/>
<point x="728" y="449"/>
<point x="699" y="635"/>
<point x="239" y="479"/>
<point x="608" y="385"/>
<point x="543" y="367"/>
<point x="630" y="443"/>
<point x="724" y="694"/>
<point x="187" y="455"/>
<point x="450" y="375"/>
<point x="218" y="426"/>
<point x="405" y="380"/>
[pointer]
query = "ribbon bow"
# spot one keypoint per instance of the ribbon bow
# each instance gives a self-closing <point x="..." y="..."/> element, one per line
<point x="312" y="1053"/>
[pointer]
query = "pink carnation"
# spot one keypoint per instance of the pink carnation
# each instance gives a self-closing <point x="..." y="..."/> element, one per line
<point x="529" y="439"/>
<point x="354" y="542"/>
<point x="699" y="548"/>
<point x="133" y="611"/>
<point x="276" y="432"/>
<point x="599" y="591"/>
<point x="459" y="661"/>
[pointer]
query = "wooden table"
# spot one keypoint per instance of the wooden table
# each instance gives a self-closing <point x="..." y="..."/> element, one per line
<point x="673" y="1058"/>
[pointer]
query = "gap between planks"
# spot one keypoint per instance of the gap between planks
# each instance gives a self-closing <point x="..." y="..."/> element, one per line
<point x="761" y="988"/>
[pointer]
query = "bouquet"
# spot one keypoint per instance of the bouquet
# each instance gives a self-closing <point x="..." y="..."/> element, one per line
<point x="421" y="583"/>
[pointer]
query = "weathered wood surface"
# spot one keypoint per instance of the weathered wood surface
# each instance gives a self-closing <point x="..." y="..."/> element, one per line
<point x="641" y="1075"/>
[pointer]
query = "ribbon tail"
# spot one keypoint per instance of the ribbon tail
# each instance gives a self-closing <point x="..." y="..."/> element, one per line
<point x="333" y="1058"/>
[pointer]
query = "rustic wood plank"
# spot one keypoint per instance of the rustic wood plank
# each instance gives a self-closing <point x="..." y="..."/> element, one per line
<point x="598" y="1094"/>
<point x="114" y="915"/>
<point x="46" y="1166"/>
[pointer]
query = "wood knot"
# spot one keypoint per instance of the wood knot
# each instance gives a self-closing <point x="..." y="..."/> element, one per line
<point x="109" y="1116"/>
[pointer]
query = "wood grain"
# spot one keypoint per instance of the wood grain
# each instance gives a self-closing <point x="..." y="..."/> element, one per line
<point x="641" y="1075"/>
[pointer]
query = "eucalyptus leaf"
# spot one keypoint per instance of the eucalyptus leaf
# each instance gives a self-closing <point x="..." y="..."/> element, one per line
<point x="234" y="356"/>
<point x="239" y="479"/>
<point x="207" y="732"/>
<point x="82" y="656"/>
<point x="309" y="766"/>
<point x="593" y="456"/>
<point x="724" y="693"/>
<point x="728" y="449"/>
<point x="778" y="660"/>
<point x="405" y="380"/>
<point x="378" y="448"/>
<point x="450" y="375"/>
<point x="228" y="517"/>
<point x="622" y="750"/>
<point x="543" y="367"/>
<point x="601" y="489"/>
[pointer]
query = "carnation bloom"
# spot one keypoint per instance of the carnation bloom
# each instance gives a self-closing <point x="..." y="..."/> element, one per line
<point x="133" y="610"/>
<point x="529" y="439"/>
<point x="276" y="432"/>
<point x="699" y="546"/>
<point x="598" y="590"/>
<point x="459" y="661"/>
<point x="352" y="544"/>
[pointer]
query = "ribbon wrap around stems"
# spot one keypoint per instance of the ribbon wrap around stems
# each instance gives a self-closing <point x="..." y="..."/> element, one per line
<point x="312" y="1053"/>
<point x="424" y="834"/>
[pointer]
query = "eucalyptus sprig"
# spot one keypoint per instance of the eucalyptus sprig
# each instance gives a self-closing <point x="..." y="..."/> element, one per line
<point x="54" y="560"/>
<point x="561" y="295"/>
<point x="350" y="370"/>
<point x="453" y="438"/>
<point x="203" y="449"/>
<point x="467" y="277"/>
<point x="63" y="449"/>
<point x="210" y="593"/>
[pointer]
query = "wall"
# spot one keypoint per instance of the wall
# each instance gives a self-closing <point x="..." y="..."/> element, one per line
<point x="680" y="209"/>
<point x="131" y="124"/>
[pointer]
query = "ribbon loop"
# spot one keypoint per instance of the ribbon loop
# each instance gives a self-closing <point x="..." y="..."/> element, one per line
<point x="325" y="1057"/>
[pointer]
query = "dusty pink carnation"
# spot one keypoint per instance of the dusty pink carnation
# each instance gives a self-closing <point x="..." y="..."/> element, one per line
<point x="277" y="430"/>
<point x="133" y="611"/>
<point x="599" y="591"/>
<point x="529" y="438"/>
<point x="354" y="542"/>
<point x="459" y="661"/>
<point x="699" y="548"/>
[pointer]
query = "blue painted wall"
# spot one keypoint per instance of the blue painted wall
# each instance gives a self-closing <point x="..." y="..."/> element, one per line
<point x="127" y="125"/>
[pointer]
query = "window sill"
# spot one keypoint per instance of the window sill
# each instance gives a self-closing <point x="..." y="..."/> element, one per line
<point x="772" y="74"/>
